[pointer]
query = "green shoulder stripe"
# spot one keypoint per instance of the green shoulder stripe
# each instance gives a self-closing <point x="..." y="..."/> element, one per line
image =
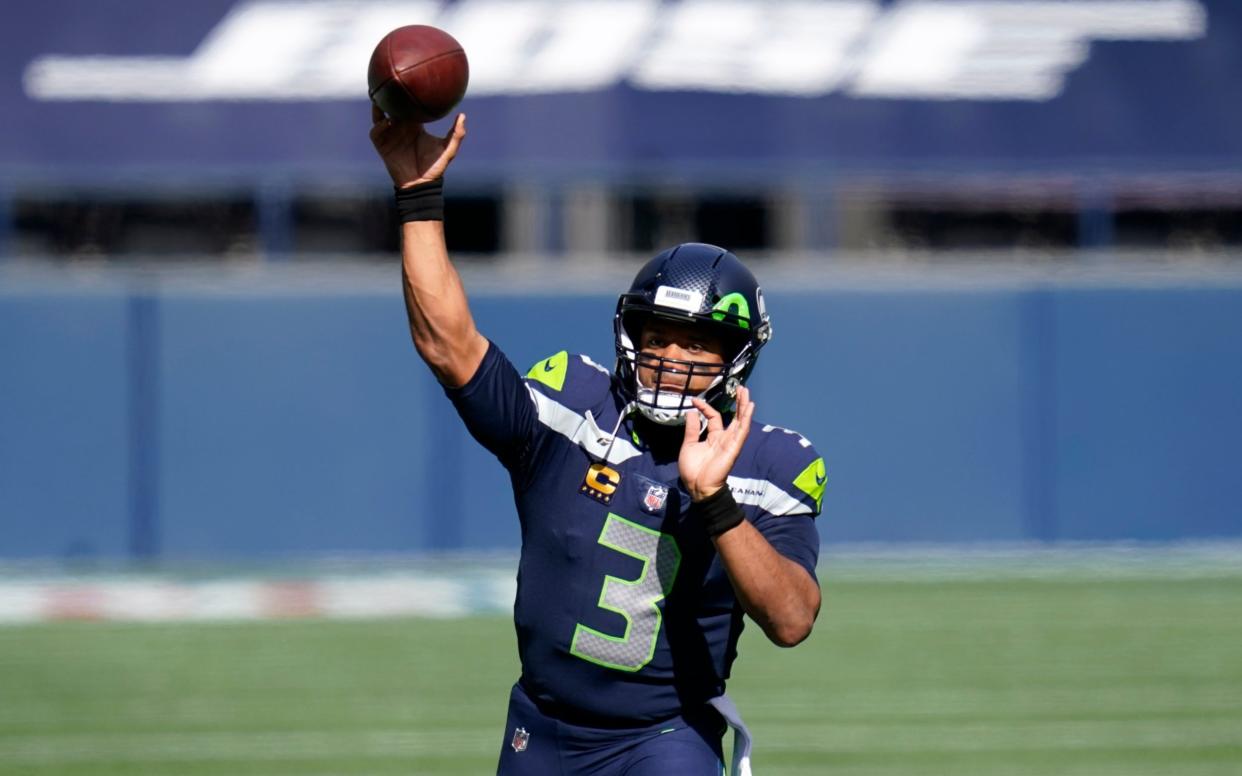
<point x="551" y="371"/>
<point x="812" y="480"/>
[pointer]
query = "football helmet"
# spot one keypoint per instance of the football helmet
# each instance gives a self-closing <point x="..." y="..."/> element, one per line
<point x="700" y="285"/>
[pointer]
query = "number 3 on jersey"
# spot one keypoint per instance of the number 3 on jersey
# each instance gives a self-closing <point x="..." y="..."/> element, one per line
<point x="637" y="600"/>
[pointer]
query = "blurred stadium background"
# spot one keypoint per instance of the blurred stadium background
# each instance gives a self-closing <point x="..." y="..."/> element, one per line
<point x="1002" y="242"/>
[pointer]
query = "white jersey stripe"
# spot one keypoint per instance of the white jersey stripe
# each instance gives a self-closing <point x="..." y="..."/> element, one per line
<point x="767" y="496"/>
<point x="582" y="430"/>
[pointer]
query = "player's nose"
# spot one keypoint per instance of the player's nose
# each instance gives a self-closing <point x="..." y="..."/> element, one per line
<point x="675" y="352"/>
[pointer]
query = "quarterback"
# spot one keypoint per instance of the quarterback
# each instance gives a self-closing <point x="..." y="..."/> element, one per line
<point x="655" y="511"/>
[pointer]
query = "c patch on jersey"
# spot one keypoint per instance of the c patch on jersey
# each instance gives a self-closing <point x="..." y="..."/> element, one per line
<point x="812" y="481"/>
<point x="551" y="371"/>
<point x="600" y="483"/>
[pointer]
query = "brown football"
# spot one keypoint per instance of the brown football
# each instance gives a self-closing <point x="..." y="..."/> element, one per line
<point x="417" y="73"/>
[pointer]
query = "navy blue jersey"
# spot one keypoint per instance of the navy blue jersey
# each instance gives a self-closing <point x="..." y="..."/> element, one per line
<point x="624" y="612"/>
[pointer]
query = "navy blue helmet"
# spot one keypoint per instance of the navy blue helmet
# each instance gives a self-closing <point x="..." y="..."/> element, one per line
<point x="703" y="286"/>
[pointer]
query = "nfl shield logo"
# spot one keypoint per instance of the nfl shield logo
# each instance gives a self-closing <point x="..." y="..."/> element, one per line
<point x="520" y="739"/>
<point x="654" y="500"/>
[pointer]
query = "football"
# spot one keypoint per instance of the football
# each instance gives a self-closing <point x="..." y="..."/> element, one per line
<point x="417" y="73"/>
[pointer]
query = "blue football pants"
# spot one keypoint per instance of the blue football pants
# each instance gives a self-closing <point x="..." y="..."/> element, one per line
<point x="538" y="745"/>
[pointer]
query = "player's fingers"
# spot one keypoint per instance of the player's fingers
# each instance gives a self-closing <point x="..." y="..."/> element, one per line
<point x="692" y="428"/>
<point x="715" y="421"/>
<point x="704" y="413"/>
<point x="381" y="126"/>
<point x="745" y="407"/>
<point x="456" y="135"/>
<point x="741" y="421"/>
<point x="743" y="411"/>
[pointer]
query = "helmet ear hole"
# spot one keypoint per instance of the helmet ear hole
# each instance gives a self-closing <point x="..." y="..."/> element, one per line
<point x="734" y="342"/>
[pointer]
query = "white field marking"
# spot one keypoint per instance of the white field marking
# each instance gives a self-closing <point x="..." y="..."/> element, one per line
<point x="1170" y="697"/>
<point x="1169" y="733"/>
<point x="1001" y="736"/>
<point x="1129" y="764"/>
<point x="199" y="710"/>
<point x="261" y="746"/>
<point x="938" y="705"/>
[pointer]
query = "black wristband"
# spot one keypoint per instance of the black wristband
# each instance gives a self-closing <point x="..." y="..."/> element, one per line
<point x="718" y="512"/>
<point x="422" y="202"/>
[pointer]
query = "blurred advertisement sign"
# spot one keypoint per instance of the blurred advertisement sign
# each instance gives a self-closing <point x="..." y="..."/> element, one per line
<point x="630" y="89"/>
<point x="971" y="49"/>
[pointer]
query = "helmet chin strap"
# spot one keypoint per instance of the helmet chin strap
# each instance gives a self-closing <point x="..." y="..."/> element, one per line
<point x="621" y="416"/>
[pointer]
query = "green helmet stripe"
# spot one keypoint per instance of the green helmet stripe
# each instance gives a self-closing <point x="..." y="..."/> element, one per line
<point x="733" y="304"/>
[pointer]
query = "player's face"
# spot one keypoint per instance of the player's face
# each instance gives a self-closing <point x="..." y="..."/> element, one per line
<point x="680" y="342"/>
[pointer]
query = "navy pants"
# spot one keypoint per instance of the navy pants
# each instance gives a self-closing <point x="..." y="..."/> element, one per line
<point x="536" y="744"/>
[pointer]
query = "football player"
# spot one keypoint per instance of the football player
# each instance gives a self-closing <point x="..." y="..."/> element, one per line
<point x="654" y="510"/>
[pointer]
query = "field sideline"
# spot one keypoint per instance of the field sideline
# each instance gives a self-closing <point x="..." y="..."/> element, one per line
<point x="1022" y="675"/>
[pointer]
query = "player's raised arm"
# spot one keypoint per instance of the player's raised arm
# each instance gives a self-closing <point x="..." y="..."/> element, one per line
<point x="439" y="315"/>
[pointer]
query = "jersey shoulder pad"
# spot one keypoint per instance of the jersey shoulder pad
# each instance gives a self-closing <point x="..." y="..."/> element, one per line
<point x="793" y="464"/>
<point x="571" y="379"/>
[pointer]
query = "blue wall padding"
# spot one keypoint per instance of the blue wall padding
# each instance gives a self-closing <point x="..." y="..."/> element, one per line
<point x="221" y="424"/>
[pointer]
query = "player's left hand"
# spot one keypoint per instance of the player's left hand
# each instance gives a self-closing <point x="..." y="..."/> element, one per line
<point x="704" y="464"/>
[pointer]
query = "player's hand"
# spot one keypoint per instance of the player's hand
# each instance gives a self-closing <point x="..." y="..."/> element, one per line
<point x="411" y="154"/>
<point x="704" y="464"/>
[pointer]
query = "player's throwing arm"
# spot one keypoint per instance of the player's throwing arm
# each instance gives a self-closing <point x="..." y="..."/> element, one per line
<point x="435" y="301"/>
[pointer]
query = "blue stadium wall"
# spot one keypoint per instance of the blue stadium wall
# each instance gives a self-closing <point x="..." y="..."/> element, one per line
<point x="144" y="421"/>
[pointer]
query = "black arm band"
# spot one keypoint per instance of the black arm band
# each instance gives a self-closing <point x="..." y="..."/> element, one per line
<point x="718" y="512"/>
<point x="422" y="202"/>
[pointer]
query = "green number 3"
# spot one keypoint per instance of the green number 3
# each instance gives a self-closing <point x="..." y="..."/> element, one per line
<point x="637" y="600"/>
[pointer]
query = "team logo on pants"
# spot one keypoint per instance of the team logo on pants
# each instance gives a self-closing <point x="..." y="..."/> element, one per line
<point x="520" y="739"/>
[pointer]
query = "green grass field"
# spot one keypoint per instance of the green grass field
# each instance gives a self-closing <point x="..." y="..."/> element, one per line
<point x="1092" y="677"/>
